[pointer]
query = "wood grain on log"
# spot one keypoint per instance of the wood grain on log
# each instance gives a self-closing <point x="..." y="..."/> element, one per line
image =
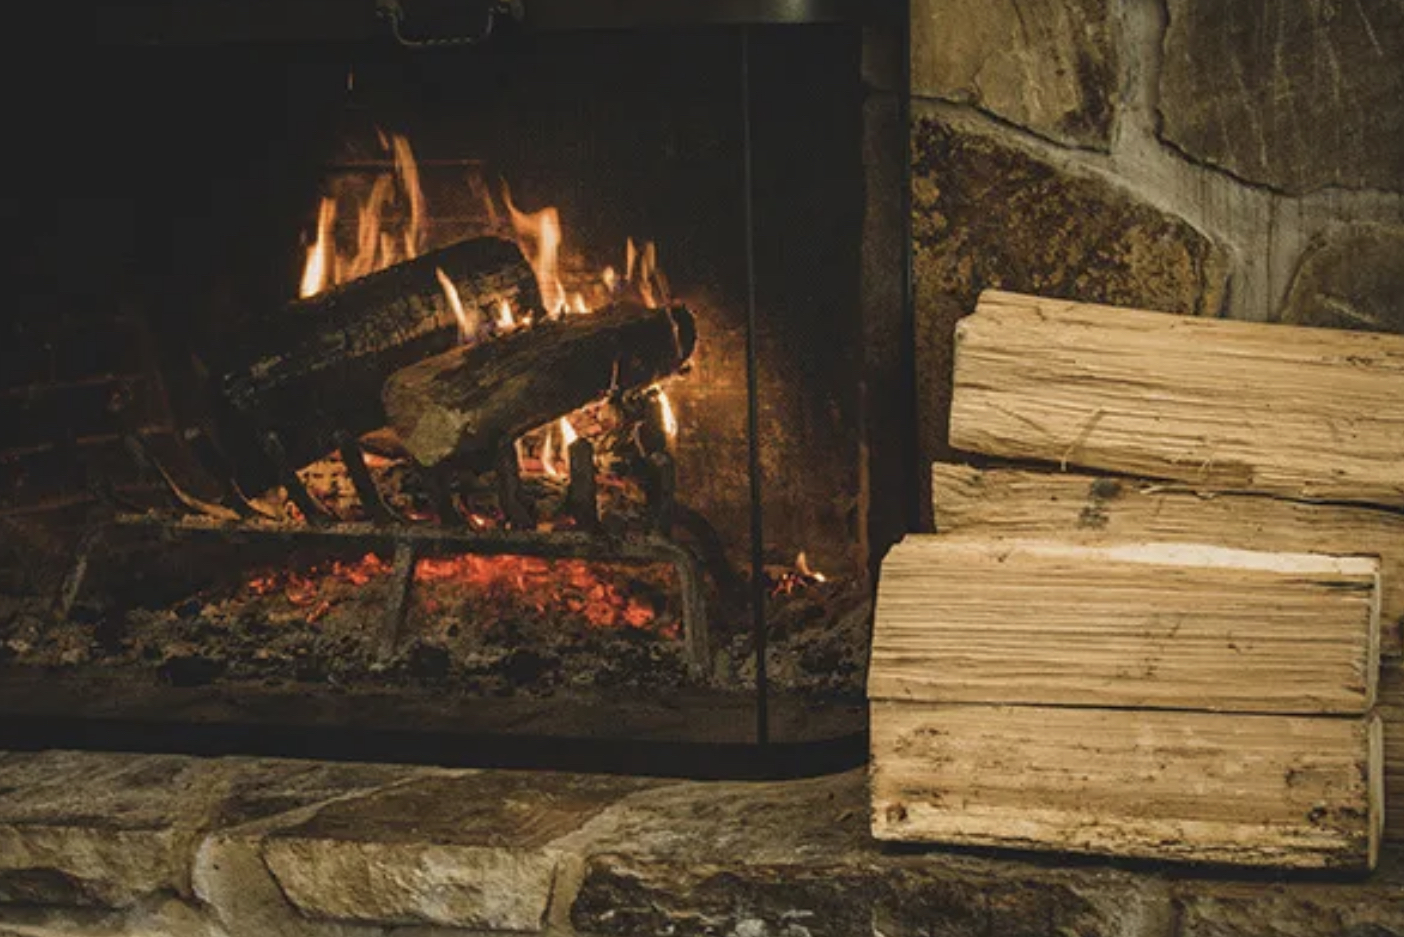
<point x="1089" y="509"/>
<point x="466" y="404"/>
<point x="319" y="365"/>
<point x="1205" y="787"/>
<point x="1306" y="413"/>
<point x="1174" y="626"/>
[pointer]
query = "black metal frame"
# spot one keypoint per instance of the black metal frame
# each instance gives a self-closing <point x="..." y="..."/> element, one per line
<point x="150" y="21"/>
<point x="196" y="22"/>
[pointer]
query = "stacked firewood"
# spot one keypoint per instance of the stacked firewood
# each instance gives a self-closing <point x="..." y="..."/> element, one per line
<point x="1177" y="658"/>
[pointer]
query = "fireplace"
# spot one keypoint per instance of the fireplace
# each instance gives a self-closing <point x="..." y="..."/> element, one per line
<point x="647" y="268"/>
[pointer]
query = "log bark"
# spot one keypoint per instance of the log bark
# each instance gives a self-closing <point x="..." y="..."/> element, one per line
<point x="1170" y="626"/>
<point x="1258" y="790"/>
<point x="1306" y="413"/>
<point x="468" y="403"/>
<point x="1015" y="503"/>
<point x="318" y="365"/>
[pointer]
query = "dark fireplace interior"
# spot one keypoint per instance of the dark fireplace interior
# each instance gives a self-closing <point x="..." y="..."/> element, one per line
<point x="164" y="566"/>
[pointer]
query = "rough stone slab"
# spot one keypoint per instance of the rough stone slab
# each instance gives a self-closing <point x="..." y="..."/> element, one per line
<point x="104" y="830"/>
<point x="1049" y="66"/>
<point x="1296" y="910"/>
<point x="1292" y="94"/>
<point x="794" y="859"/>
<point x="986" y="214"/>
<point x="474" y="851"/>
<point x="1353" y="279"/>
<point x="94" y="830"/>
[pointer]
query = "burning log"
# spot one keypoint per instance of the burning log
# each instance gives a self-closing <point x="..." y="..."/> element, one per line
<point x="468" y="403"/>
<point x="318" y="365"/>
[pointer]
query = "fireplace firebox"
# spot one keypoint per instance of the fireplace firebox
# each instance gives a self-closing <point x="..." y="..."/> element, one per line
<point x="472" y="371"/>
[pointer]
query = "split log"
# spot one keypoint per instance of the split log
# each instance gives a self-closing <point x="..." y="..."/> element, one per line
<point x="466" y="404"/>
<point x="318" y="365"/>
<point x="1259" y="790"/>
<point x="1171" y="626"/>
<point x="1306" y="413"/>
<point x="1087" y="509"/>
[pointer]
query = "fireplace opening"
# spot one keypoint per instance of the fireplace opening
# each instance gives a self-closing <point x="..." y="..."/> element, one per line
<point x="422" y="388"/>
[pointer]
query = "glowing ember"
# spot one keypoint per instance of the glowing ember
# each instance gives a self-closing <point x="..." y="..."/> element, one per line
<point x="797" y="579"/>
<point x="550" y="587"/>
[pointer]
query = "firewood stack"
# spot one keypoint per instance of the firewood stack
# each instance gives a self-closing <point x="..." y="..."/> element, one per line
<point x="1180" y="658"/>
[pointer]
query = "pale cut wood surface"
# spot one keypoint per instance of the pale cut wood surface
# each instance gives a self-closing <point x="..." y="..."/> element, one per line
<point x="1172" y="626"/>
<point x="1091" y="509"/>
<point x="1308" y="413"/>
<point x="1281" y="791"/>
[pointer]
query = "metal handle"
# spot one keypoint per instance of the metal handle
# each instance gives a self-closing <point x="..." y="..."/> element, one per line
<point x="393" y="12"/>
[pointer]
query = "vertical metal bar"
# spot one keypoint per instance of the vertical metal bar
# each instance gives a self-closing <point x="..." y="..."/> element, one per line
<point x="397" y="602"/>
<point x="582" y="495"/>
<point x="758" y="622"/>
<point x="361" y="479"/>
<point x="314" y="513"/>
<point x="908" y="345"/>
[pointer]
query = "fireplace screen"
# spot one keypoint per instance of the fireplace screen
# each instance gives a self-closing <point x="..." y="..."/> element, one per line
<point x="521" y="386"/>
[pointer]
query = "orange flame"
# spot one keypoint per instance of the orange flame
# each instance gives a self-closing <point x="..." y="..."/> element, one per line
<point x="641" y="269"/>
<point x="467" y="326"/>
<point x="556" y="464"/>
<point x="317" y="269"/>
<point x="802" y="565"/>
<point x="505" y="319"/>
<point x="670" y="421"/>
<point x="376" y="247"/>
<point x="539" y="235"/>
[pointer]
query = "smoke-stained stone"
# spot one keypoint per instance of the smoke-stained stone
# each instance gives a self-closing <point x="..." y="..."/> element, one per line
<point x="1047" y="65"/>
<point x="986" y="214"/>
<point x="1353" y="279"/>
<point x="939" y="896"/>
<point x="1299" y="910"/>
<point x="1293" y="94"/>
<point x="795" y="859"/>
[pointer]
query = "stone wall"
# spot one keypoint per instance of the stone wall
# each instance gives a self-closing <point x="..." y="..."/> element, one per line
<point x="1240" y="159"/>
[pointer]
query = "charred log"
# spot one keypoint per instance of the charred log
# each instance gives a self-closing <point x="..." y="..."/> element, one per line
<point x="318" y="365"/>
<point x="467" y="404"/>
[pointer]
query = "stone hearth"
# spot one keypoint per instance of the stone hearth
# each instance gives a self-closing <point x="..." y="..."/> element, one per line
<point x="154" y="845"/>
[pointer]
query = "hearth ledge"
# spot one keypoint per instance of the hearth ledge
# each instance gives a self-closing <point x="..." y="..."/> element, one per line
<point x="116" y="844"/>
